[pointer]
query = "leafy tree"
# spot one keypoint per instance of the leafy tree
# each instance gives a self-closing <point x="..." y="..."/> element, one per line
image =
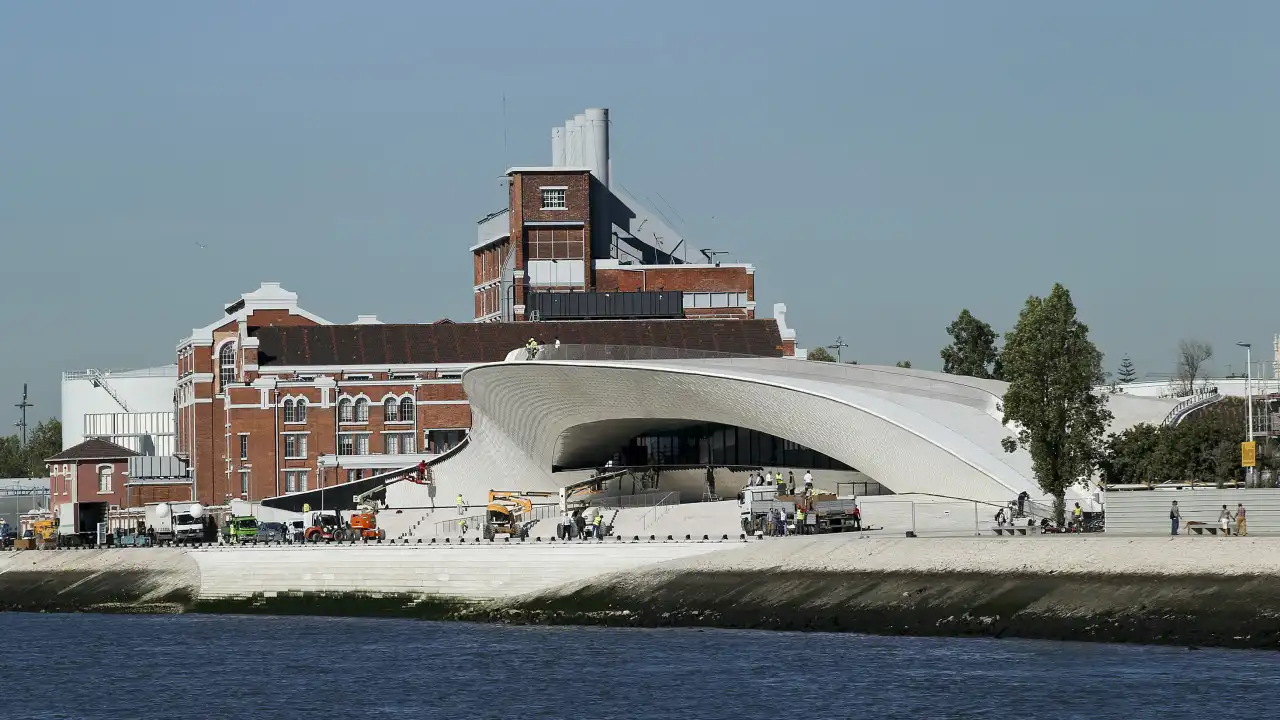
<point x="1052" y="368"/>
<point x="972" y="350"/>
<point x="1126" y="373"/>
<point x="1192" y="355"/>
<point x="43" y="442"/>
<point x="1203" y="449"/>
<point x="905" y="364"/>
<point x="819" y="355"/>
<point x="12" y="461"/>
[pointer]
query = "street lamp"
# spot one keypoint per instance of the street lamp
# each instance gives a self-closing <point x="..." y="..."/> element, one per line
<point x="1248" y="389"/>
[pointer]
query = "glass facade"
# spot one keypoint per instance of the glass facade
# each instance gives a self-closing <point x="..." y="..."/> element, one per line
<point x="721" y="445"/>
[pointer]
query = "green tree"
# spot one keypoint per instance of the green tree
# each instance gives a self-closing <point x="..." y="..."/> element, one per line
<point x="820" y="355"/>
<point x="972" y="350"/>
<point x="43" y="442"/>
<point x="1126" y="373"/>
<point x="12" y="461"/>
<point x="904" y="364"/>
<point x="1052" y="368"/>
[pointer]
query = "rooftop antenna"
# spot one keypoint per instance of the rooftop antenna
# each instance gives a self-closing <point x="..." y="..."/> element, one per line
<point x="710" y="255"/>
<point x="839" y="344"/>
<point x="23" y="407"/>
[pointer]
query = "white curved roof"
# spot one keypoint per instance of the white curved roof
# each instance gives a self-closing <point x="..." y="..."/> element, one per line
<point x="914" y="431"/>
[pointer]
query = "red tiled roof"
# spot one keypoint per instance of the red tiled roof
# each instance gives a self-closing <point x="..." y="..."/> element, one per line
<point x="94" y="449"/>
<point x="463" y="343"/>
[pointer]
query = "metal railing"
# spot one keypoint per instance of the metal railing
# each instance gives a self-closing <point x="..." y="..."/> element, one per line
<point x="949" y="518"/>
<point x="646" y="499"/>
<point x="1191" y="404"/>
<point x="661" y="507"/>
<point x="626" y="352"/>
<point x="166" y="371"/>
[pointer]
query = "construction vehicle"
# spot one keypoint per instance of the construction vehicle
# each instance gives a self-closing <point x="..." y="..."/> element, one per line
<point x="45" y="533"/>
<point x="242" y="529"/>
<point x="324" y="525"/>
<point x="510" y="512"/>
<point x="833" y="512"/>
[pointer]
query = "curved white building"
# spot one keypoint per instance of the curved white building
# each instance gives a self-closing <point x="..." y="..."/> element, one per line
<point x="912" y="431"/>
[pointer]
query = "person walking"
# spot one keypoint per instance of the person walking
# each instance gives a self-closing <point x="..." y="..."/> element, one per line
<point x="1175" y="517"/>
<point x="1077" y="517"/>
<point x="1242" y="528"/>
<point x="462" y="504"/>
<point x="1224" y="520"/>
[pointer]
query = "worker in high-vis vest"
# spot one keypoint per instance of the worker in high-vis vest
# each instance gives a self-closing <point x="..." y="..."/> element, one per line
<point x="598" y="523"/>
<point x="461" y="504"/>
<point x="799" y="521"/>
<point x="532" y="348"/>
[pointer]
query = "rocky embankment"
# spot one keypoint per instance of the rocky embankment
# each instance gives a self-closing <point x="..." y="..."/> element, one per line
<point x="1199" y="592"/>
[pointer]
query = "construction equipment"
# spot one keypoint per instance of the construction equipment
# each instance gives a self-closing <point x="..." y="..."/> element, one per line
<point x="324" y="525"/>
<point x="510" y="512"/>
<point x="243" y="529"/>
<point x="45" y="533"/>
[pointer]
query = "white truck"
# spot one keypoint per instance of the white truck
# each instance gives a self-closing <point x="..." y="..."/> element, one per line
<point x="756" y="502"/>
<point x="178" y="522"/>
<point x="833" y="513"/>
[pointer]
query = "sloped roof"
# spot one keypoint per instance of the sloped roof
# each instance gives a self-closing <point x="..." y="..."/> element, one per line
<point x="465" y="343"/>
<point x="94" y="449"/>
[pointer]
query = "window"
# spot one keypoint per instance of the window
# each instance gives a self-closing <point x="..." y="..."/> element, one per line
<point x="362" y="410"/>
<point x="553" y="199"/>
<point x="353" y="444"/>
<point x="300" y="411"/>
<point x="295" y="446"/>
<point x="244" y="482"/>
<point x="104" y="479"/>
<point x="346" y="411"/>
<point x="354" y="475"/>
<point x="398" y="443"/>
<point x="391" y="410"/>
<point x="442" y="441"/>
<point x="226" y="364"/>
<point x="295" y="481"/>
<point x="244" y="447"/>
<point x="406" y="409"/>
<point x="288" y="411"/>
<point x="403" y="376"/>
<point x="359" y="377"/>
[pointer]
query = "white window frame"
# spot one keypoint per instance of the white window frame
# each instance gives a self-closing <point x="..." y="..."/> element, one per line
<point x="391" y="410"/>
<point x="408" y="407"/>
<point x="299" y="441"/>
<point x="551" y="194"/>
<point x="244" y="445"/>
<point x="105" y="472"/>
<point x="244" y="482"/>
<point x="346" y="410"/>
<point x="362" y="410"/>
<point x="226" y="370"/>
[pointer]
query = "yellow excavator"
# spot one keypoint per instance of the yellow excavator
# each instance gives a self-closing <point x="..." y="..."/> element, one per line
<point x="510" y="512"/>
<point x="45" y="533"/>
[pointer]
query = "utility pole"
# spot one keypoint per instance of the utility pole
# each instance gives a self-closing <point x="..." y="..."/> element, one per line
<point x="840" y="343"/>
<point x="23" y="407"/>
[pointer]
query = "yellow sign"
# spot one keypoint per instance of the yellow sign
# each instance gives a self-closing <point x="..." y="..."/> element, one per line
<point x="1248" y="454"/>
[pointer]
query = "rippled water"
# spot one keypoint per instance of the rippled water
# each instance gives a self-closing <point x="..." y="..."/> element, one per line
<point x="193" y="666"/>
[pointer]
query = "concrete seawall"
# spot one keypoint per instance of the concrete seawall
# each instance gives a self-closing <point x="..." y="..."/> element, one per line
<point x="1192" y="591"/>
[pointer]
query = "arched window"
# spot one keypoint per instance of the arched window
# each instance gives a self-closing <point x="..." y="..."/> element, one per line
<point x="406" y="409"/>
<point x="104" y="478"/>
<point x="288" y="411"/>
<point x="390" y="410"/>
<point x="345" y="412"/>
<point x="300" y="410"/>
<point x="362" y="410"/>
<point x="226" y="364"/>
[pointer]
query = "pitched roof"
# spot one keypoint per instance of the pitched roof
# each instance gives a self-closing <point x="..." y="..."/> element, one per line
<point x="464" y="343"/>
<point x="94" y="449"/>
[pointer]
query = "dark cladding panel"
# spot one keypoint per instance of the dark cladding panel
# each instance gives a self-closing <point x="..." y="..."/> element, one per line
<point x="606" y="305"/>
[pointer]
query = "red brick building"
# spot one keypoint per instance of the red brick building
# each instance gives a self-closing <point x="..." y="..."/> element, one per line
<point x="567" y="229"/>
<point x="272" y="399"/>
<point x="93" y="471"/>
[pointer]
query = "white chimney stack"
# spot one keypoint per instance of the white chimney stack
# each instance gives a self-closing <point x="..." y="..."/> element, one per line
<point x="557" y="147"/>
<point x="597" y="136"/>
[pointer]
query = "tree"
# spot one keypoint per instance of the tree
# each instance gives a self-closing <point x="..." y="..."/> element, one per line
<point x="1202" y="449"/>
<point x="1126" y="373"/>
<point x="44" y="442"/>
<point x="819" y="355"/>
<point x="1192" y="355"/>
<point x="972" y="350"/>
<point x="1052" y="368"/>
<point x="904" y="364"/>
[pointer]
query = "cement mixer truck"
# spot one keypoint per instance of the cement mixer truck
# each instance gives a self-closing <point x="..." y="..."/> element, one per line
<point x="180" y="522"/>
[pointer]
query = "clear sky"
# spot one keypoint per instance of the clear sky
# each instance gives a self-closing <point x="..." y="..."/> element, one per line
<point x="883" y="164"/>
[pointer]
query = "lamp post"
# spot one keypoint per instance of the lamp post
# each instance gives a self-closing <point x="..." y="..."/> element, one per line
<point x="1248" y="389"/>
<point x="840" y="343"/>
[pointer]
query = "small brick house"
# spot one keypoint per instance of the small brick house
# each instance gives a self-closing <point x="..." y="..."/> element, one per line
<point x="93" y="471"/>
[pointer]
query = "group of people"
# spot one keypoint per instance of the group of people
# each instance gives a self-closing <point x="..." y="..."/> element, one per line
<point x="786" y="486"/>
<point x="574" y="525"/>
<point x="1226" y="519"/>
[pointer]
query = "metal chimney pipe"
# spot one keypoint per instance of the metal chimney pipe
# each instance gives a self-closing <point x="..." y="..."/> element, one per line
<point x="598" y="137"/>
<point x="571" y="143"/>
<point x="580" y="140"/>
<point x="557" y="147"/>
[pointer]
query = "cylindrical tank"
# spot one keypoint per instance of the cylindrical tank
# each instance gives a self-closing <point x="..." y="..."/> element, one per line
<point x="598" y="137"/>
<point x="557" y="147"/>
<point x="571" y="158"/>
<point x="584" y="148"/>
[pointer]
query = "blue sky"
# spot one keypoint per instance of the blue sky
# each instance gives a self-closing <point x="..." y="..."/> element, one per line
<point x="884" y="164"/>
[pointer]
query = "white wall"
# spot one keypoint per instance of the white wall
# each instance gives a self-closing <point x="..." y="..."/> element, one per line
<point x="146" y="390"/>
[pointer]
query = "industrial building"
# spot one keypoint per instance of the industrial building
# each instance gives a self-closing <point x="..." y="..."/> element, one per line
<point x="131" y="408"/>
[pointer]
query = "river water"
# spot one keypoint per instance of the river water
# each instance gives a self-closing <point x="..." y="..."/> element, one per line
<point x="204" y="666"/>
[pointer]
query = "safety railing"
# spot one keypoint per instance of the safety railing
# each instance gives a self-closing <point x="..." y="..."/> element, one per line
<point x="623" y="352"/>
<point x="646" y="499"/>
<point x="950" y="518"/>
<point x="660" y="508"/>
<point x="1191" y="404"/>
